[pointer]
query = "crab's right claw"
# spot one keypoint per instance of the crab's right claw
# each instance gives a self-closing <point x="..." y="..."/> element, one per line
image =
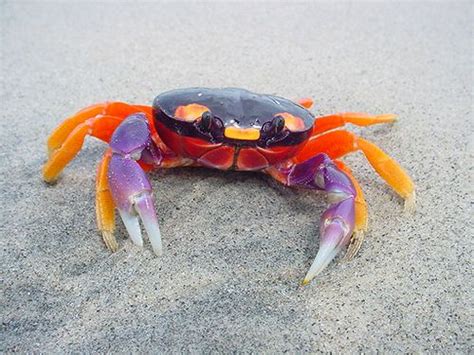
<point x="128" y="183"/>
<point x="337" y="222"/>
<point x="335" y="232"/>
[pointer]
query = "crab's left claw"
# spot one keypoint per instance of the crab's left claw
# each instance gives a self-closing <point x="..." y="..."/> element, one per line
<point x="128" y="183"/>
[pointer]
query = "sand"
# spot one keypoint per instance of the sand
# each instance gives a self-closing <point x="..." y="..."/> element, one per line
<point x="237" y="244"/>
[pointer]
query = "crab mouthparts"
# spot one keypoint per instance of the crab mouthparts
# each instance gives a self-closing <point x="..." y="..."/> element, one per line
<point x="248" y="134"/>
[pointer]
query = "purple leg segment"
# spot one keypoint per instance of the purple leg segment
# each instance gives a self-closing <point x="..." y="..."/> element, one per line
<point x="337" y="222"/>
<point x="128" y="183"/>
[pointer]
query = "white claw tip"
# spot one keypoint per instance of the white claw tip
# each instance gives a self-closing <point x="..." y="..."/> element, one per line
<point x="154" y="235"/>
<point x="133" y="227"/>
<point x="325" y="255"/>
<point x="158" y="250"/>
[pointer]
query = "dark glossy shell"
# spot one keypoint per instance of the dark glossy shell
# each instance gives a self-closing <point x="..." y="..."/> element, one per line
<point x="233" y="106"/>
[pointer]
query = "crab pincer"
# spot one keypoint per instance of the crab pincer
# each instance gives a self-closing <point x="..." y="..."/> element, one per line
<point x="128" y="183"/>
<point x="337" y="222"/>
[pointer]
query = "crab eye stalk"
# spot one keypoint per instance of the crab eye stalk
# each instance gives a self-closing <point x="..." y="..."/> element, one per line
<point x="206" y="121"/>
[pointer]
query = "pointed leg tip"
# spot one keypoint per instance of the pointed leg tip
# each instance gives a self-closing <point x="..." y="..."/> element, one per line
<point x="410" y="203"/>
<point x="110" y="241"/>
<point x="49" y="182"/>
<point x="354" y="246"/>
<point x="387" y="118"/>
<point x="48" y="177"/>
<point x="305" y="282"/>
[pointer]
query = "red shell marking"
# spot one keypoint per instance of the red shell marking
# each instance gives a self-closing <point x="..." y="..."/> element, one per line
<point x="219" y="158"/>
<point x="251" y="159"/>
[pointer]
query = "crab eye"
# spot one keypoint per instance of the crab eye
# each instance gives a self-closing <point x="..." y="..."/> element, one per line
<point x="206" y="121"/>
<point x="274" y="127"/>
<point x="278" y="123"/>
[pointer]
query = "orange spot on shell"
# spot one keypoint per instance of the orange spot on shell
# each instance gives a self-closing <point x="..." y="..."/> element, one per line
<point x="190" y="112"/>
<point x="293" y="123"/>
<point x="249" y="134"/>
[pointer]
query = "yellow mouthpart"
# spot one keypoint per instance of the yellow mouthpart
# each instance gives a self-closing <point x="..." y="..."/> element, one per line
<point x="248" y="134"/>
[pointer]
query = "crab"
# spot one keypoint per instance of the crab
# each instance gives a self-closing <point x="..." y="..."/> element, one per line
<point x="226" y="128"/>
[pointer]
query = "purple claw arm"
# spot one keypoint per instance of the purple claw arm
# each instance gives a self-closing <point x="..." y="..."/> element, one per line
<point x="337" y="222"/>
<point x="128" y="183"/>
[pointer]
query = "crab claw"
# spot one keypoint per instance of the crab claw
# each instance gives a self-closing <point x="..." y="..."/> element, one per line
<point x="337" y="222"/>
<point x="142" y="206"/>
<point x="129" y="185"/>
<point x="336" y="229"/>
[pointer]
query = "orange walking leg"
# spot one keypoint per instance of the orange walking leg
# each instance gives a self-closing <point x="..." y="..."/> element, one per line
<point x="361" y="215"/>
<point x="67" y="139"/>
<point x="57" y="138"/>
<point x="339" y="143"/>
<point x="101" y="127"/>
<point x="105" y="208"/>
<point x="326" y="123"/>
<point x="306" y="102"/>
<point x="64" y="129"/>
